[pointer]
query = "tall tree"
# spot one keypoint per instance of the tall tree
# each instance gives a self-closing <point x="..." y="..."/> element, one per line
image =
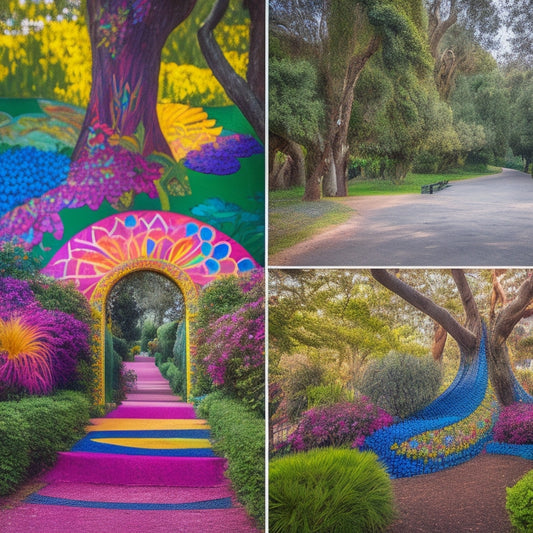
<point x="340" y="38"/>
<point x="468" y="334"/>
<point x="126" y="40"/>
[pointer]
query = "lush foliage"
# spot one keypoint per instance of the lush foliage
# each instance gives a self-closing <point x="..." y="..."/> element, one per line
<point x="16" y="261"/>
<point x="62" y="296"/>
<point x="515" y="424"/>
<point x="519" y="503"/>
<point x="402" y="384"/>
<point x="329" y="490"/>
<point x="166" y="337"/>
<point x="33" y="430"/>
<point x="240" y="437"/>
<point x="148" y="333"/>
<point x="232" y="346"/>
<point x="338" y="425"/>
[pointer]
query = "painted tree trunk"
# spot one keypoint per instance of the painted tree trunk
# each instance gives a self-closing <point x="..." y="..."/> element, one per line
<point x="126" y="42"/>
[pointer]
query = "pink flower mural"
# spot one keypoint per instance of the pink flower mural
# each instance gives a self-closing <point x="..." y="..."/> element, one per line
<point x="200" y="250"/>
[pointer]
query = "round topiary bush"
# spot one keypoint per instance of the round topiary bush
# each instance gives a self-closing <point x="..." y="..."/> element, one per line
<point x="401" y="384"/>
<point x="519" y="504"/>
<point x="329" y="490"/>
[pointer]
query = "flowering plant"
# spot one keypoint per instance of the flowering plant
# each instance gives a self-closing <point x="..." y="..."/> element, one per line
<point x="338" y="424"/>
<point x="515" y="424"/>
<point x="232" y="346"/>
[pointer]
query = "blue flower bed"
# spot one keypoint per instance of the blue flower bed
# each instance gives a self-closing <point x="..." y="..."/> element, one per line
<point x="451" y="430"/>
<point x="27" y="173"/>
<point x="520" y="450"/>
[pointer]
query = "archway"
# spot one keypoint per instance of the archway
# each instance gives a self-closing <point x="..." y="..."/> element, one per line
<point x="106" y="284"/>
<point x="187" y="251"/>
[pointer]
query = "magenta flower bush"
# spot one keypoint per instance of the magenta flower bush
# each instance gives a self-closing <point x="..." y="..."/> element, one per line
<point x="232" y="346"/>
<point x="341" y="424"/>
<point x="515" y="424"/>
<point x="40" y="349"/>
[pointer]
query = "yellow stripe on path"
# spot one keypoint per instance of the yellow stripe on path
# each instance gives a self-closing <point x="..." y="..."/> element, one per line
<point x="157" y="444"/>
<point x="126" y="424"/>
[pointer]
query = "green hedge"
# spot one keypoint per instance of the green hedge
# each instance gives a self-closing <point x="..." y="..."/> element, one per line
<point x="166" y="337"/>
<point x="34" y="429"/>
<point x="519" y="504"/>
<point x="239" y="435"/>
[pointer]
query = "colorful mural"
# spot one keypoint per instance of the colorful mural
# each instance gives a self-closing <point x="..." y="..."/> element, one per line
<point x="196" y="248"/>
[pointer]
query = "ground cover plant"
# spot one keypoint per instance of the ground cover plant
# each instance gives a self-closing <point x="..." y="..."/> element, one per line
<point x="329" y="490"/>
<point x="239" y="435"/>
<point x="519" y="504"/>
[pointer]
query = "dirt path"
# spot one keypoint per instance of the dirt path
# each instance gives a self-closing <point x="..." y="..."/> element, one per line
<point x="468" y="497"/>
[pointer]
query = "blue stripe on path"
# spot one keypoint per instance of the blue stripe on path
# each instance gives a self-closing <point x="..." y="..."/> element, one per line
<point x="220" y="503"/>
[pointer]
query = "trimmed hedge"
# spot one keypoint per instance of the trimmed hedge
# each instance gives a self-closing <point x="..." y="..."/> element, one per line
<point x="34" y="429"/>
<point x="239" y="436"/>
<point x="166" y="338"/>
<point x="329" y="490"/>
<point x="519" y="504"/>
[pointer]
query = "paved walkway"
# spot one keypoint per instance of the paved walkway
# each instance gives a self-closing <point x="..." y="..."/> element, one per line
<point x="147" y="466"/>
<point x="484" y="221"/>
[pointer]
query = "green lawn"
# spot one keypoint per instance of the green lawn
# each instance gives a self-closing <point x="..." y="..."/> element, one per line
<point x="292" y="221"/>
<point x="413" y="182"/>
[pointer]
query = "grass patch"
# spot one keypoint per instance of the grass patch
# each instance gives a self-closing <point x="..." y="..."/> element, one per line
<point x="292" y="221"/>
<point x="413" y="182"/>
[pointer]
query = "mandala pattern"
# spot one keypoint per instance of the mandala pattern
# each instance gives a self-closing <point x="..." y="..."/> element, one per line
<point x="199" y="250"/>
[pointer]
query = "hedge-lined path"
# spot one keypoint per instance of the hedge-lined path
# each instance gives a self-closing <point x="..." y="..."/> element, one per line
<point x="468" y="497"/>
<point x="147" y="466"/>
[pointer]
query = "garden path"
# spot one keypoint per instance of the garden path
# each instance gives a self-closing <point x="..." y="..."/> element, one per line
<point x="147" y="466"/>
<point x="468" y="497"/>
<point x="475" y="222"/>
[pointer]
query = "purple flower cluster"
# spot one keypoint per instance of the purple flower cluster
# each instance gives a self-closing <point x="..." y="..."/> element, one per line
<point x="108" y="173"/>
<point x="515" y="424"/>
<point x="15" y="296"/>
<point x="335" y="425"/>
<point x="221" y="157"/>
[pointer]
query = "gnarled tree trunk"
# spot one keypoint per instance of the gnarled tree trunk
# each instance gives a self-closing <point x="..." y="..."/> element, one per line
<point x="126" y="48"/>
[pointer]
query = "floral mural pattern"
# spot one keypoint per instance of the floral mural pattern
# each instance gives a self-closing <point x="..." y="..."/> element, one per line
<point x="197" y="248"/>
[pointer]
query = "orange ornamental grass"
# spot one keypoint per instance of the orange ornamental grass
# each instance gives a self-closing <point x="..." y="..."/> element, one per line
<point x="25" y="356"/>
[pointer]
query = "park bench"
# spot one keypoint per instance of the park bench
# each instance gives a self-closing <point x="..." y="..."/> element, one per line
<point x="434" y="187"/>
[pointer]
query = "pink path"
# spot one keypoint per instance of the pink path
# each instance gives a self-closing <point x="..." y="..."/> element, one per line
<point x="134" y="483"/>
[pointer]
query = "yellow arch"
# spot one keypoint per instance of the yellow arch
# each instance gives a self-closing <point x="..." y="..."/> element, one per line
<point x="98" y="303"/>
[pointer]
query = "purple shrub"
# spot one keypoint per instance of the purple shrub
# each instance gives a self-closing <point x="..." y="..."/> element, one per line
<point x="15" y="296"/>
<point x="337" y="425"/>
<point x="69" y="343"/>
<point x="515" y="424"/>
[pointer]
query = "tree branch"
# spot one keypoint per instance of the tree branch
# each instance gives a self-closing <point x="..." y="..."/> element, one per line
<point x="514" y="311"/>
<point x="473" y="318"/>
<point x="236" y="87"/>
<point x="466" y="339"/>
